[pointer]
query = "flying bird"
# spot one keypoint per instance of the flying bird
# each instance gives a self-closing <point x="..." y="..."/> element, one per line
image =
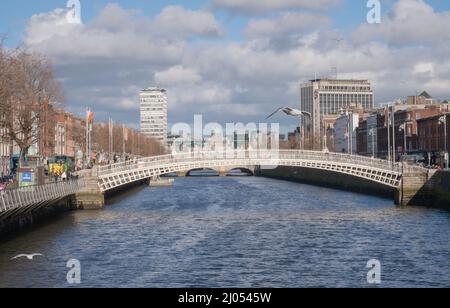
<point x="29" y="257"/>
<point x="290" y="112"/>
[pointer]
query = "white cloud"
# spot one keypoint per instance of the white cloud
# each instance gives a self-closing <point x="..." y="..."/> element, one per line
<point x="199" y="96"/>
<point x="286" y="23"/>
<point x="424" y="68"/>
<point x="115" y="33"/>
<point x="43" y="27"/>
<point x="105" y="62"/>
<point x="262" y="6"/>
<point x="177" y="75"/>
<point x="180" y="21"/>
<point x="411" y="22"/>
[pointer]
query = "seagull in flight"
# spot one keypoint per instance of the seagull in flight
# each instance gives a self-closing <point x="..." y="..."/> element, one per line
<point x="29" y="257"/>
<point x="290" y="112"/>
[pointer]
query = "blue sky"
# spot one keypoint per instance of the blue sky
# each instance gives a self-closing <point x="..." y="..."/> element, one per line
<point x="231" y="62"/>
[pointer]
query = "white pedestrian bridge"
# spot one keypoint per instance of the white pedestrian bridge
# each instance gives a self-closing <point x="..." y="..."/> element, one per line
<point x="380" y="171"/>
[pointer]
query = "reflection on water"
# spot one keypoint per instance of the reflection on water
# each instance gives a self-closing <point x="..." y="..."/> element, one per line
<point x="236" y="232"/>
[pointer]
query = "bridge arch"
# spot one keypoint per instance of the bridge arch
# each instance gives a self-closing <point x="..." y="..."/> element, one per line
<point x="190" y="172"/>
<point x="221" y="171"/>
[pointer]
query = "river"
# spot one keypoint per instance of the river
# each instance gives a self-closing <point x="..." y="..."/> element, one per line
<point x="236" y="232"/>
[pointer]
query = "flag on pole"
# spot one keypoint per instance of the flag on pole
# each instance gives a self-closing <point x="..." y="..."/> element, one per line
<point x="125" y="134"/>
<point x="392" y="110"/>
<point x="387" y="121"/>
<point x="111" y="126"/>
<point x="90" y="120"/>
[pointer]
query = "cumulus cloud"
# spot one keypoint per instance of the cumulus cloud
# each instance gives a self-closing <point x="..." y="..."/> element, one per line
<point x="115" y="33"/>
<point x="120" y="49"/>
<point x="177" y="75"/>
<point x="411" y="22"/>
<point x="286" y="30"/>
<point x="182" y="22"/>
<point x="254" y="7"/>
<point x="104" y="63"/>
<point x="43" y="27"/>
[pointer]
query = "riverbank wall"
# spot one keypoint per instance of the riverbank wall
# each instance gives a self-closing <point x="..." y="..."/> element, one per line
<point x="328" y="179"/>
<point x="15" y="221"/>
<point x="431" y="189"/>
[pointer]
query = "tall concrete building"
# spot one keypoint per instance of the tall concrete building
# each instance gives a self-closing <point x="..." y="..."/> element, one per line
<point x="324" y="97"/>
<point x="154" y="113"/>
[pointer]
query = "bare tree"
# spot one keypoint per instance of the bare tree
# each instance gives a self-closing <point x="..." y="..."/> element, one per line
<point x="137" y="143"/>
<point x="28" y="89"/>
<point x="79" y="134"/>
<point x="5" y="90"/>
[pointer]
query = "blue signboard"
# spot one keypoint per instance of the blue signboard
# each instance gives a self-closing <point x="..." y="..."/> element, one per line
<point x="27" y="177"/>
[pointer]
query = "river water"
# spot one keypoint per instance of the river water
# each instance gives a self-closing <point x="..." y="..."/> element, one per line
<point x="236" y="232"/>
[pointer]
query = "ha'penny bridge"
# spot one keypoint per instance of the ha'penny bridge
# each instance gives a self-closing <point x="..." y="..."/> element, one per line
<point x="90" y="189"/>
<point x="117" y="175"/>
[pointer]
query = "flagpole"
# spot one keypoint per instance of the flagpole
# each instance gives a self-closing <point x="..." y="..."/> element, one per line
<point x="87" y="135"/>
<point x="348" y="133"/>
<point x="110" y="139"/>
<point x="90" y="135"/>
<point x="394" y="158"/>
<point x="388" y="122"/>
<point x="123" y="141"/>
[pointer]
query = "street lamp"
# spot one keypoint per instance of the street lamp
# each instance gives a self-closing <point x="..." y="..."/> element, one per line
<point x="403" y="128"/>
<point x="293" y="113"/>
<point x="350" y="131"/>
<point x="443" y="120"/>
<point x="372" y="134"/>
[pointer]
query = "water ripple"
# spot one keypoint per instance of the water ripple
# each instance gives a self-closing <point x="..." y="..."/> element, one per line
<point x="237" y="232"/>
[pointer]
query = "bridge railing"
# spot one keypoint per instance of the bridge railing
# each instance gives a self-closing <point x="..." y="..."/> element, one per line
<point x="249" y="157"/>
<point x="26" y="196"/>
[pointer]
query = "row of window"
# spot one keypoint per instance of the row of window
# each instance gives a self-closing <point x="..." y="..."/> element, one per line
<point x="153" y="96"/>
<point x="154" y="109"/>
<point x="333" y="103"/>
<point x="346" y="88"/>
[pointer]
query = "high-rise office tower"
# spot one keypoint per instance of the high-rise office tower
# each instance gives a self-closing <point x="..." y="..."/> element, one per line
<point x="154" y="113"/>
<point x="324" y="97"/>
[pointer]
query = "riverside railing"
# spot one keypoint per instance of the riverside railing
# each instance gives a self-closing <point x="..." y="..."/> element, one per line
<point x="264" y="157"/>
<point x="25" y="196"/>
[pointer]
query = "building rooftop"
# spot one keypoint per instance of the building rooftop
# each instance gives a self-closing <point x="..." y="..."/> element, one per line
<point x="153" y="89"/>
<point x="426" y="95"/>
<point x="434" y="117"/>
<point x="340" y="80"/>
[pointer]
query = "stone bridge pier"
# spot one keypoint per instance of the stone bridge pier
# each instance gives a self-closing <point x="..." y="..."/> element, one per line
<point x="416" y="187"/>
<point x="91" y="197"/>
